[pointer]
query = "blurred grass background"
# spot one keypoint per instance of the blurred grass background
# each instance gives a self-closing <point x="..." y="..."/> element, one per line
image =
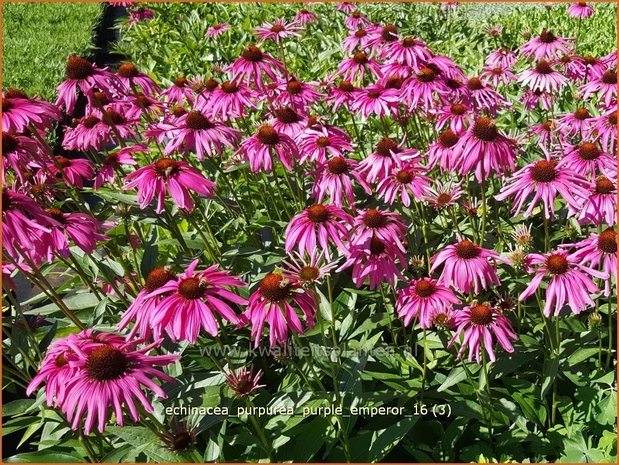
<point x="37" y="37"/>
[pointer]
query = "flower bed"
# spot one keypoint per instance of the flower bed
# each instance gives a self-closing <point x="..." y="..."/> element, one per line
<point x="332" y="233"/>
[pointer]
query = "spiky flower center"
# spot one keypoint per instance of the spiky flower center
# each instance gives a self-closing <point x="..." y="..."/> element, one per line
<point x="89" y="122"/>
<point x="589" y="60"/>
<point x="62" y="163"/>
<point x="404" y="177"/>
<point x="197" y="121"/>
<point x="443" y="199"/>
<point x="581" y="114"/>
<point x="6" y="105"/>
<point x="106" y="363"/>
<point x="294" y="87"/>
<point x="142" y="100"/>
<point x="386" y="146"/>
<point x="453" y="84"/>
<point x="485" y="129"/>
<point x="565" y="59"/>
<point x="253" y="54"/>
<point x="166" y="167"/>
<point x="609" y="77"/>
<point x="318" y="213"/>
<point x="448" y="138"/>
<point x="612" y="118"/>
<point x="474" y="84"/>
<point x="56" y="214"/>
<point x="426" y="74"/>
<point x="547" y="37"/>
<point x="466" y="249"/>
<point x="309" y="273"/>
<point x="181" y="81"/>
<point x="497" y="71"/>
<point x="267" y="135"/>
<point x="589" y="151"/>
<point x="361" y="33"/>
<point x="408" y="42"/>
<point x="607" y="241"/>
<point x="543" y="67"/>
<point x="61" y="360"/>
<point x="557" y="264"/>
<point x="275" y="288"/>
<point x="457" y="109"/>
<point x="375" y="219"/>
<point x="373" y="94"/>
<point x="544" y="171"/>
<point x="394" y="82"/>
<point x="112" y="118"/>
<point x="376" y="246"/>
<point x="211" y="84"/>
<point x="78" y="68"/>
<point x="424" y="288"/>
<point x="191" y="288"/>
<point x="178" y="111"/>
<point x="181" y="441"/>
<point x="481" y="315"/>
<point x="287" y="115"/>
<point x="603" y="185"/>
<point x="337" y="165"/>
<point x="229" y="87"/>
<point x="389" y="33"/>
<point x="15" y="93"/>
<point x="128" y="70"/>
<point x="360" y="58"/>
<point x="323" y="141"/>
<point x="157" y="278"/>
<point x="9" y="143"/>
<point x="346" y="86"/>
<point x="276" y="28"/>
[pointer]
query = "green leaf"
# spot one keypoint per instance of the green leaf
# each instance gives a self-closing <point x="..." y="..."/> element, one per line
<point x="48" y="456"/>
<point x="457" y="375"/>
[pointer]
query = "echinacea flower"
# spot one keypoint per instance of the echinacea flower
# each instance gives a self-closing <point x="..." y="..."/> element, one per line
<point x="333" y="181"/>
<point x="376" y="100"/>
<point x="243" y="382"/>
<point x="467" y="266"/>
<point x="277" y="30"/>
<point x="140" y="14"/>
<point x="441" y="152"/>
<point x="83" y="75"/>
<point x="305" y="16"/>
<point x="542" y="77"/>
<point x="294" y="93"/>
<point x="483" y="148"/>
<point x="166" y="174"/>
<point x="443" y="195"/>
<point x="354" y="68"/>
<point x="408" y="51"/>
<point x="316" y="144"/>
<point x="131" y="76"/>
<point x="458" y="115"/>
<point x="191" y="302"/>
<point x="73" y="171"/>
<point x="574" y="123"/>
<point x="113" y="161"/>
<point x="342" y="94"/>
<point x="483" y="98"/>
<point x="495" y="75"/>
<point x="356" y="40"/>
<point x="502" y="57"/>
<point x="217" y="29"/>
<point x="546" y="46"/>
<point x="570" y="281"/>
<point x="604" y="130"/>
<point x="580" y="10"/>
<point x="482" y="325"/>
<point x="19" y="112"/>
<point x="272" y="303"/>
<point x="387" y="156"/>
<point x="599" y="204"/>
<point x="381" y="224"/>
<point x="179" y="437"/>
<point x="318" y="225"/>
<point x="422" y="299"/>
<point x="543" y="180"/>
<point x="410" y="180"/>
<point x="229" y="100"/>
<point x="604" y="86"/>
<point x="253" y="65"/>
<point x="179" y="92"/>
<point x="266" y="142"/>
<point x="587" y="159"/>
<point x="308" y="271"/>
<point x="421" y="89"/>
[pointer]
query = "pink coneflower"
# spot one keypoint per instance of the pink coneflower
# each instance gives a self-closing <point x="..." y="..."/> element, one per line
<point x="458" y="115"/>
<point x="346" y="7"/>
<point x="422" y="299"/>
<point x="317" y="145"/>
<point x="20" y="151"/>
<point x="194" y="132"/>
<point x="532" y="98"/>
<point x="230" y="100"/>
<point x="544" y="179"/>
<point x="109" y="375"/>
<point x="333" y="181"/>
<point x="441" y="152"/>
<point x="387" y="156"/>
<point x="179" y="92"/>
<point x="604" y="130"/>
<point x="145" y="307"/>
<point x="543" y="78"/>
<point x="599" y="251"/>
<point x="356" y="40"/>
<point x="569" y="281"/>
<point x="319" y="225"/>
<point x="113" y="161"/>
<point x="604" y="86"/>
<point x="83" y="75"/>
<point x="495" y="75"/>
<point x="191" y="300"/>
<point x="273" y="303"/>
<point x="131" y="76"/>
<point x="580" y="10"/>
<point x="587" y="159"/>
<point x="408" y="51"/>
<point x="95" y="133"/>
<point x="295" y="93"/>
<point x="72" y="171"/>
<point x="244" y="382"/>
<point x="574" y="123"/>
<point x="134" y="106"/>
<point x="420" y="90"/>
<point x="547" y="134"/>
<point x="494" y="31"/>
<point x="381" y="37"/>
<point x="467" y="266"/>
<point x="502" y="57"/>
<point x="253" y="64"/>
<point x="375" y="260"/>
<point x="356" y="21"/>
<point x="217" y="29"/>
<point x="482" y="324"/>
<point x="483" y="98"/>
<point x="342" y="94"/>
<point x="451" y="5"/>
<point x="288" y="121"/>
<point x="573" y="67"/>
<point x="79" y="227"/>
<point x="376" y="100"/>
<point x="308" y="272"/>
<point x="546" y="46"/>
<point x="354" y="68"/>
<point x="381" y="224"/>
<point x="259" y="148"/>
<point x="599" y="204"/>
<point x="305" y="16"/>
<point x="409" y="180"/>
<point x="444" y="194"/>
<point x="140" y="14"/>
<point x="175" y="177"/>
<point x="483" y="148"/>
<point x="277" y="31"/>
<point x="19" y="112"/>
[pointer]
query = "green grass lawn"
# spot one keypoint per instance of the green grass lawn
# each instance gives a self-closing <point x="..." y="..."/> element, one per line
<point x="38" y="37"/>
